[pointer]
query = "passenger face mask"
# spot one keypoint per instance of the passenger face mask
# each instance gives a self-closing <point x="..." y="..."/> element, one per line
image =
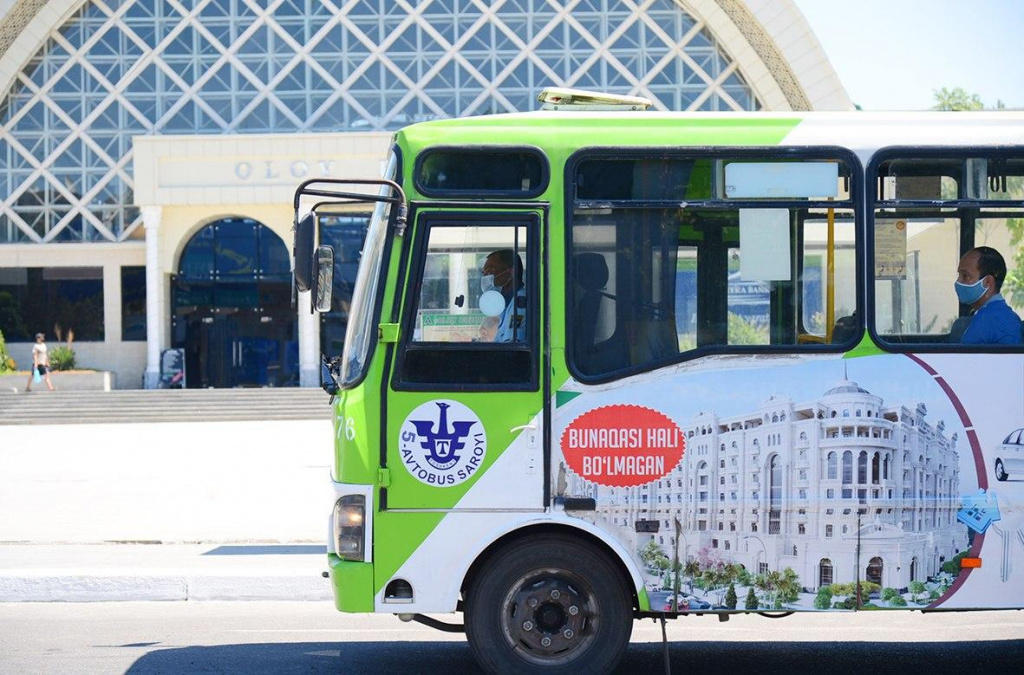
<point x="970" y="293"/>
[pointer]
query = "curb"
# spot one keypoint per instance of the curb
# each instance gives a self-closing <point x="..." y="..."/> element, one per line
<point x="126" y="585"/>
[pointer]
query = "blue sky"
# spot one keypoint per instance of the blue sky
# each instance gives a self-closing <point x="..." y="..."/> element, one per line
<point x="891" y="54"/>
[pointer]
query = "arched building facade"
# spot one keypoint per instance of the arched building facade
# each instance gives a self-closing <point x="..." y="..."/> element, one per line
<point x="128" y="127"/>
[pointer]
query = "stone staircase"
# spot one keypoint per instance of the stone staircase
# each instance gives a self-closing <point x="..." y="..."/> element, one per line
<point x="162" y="405"/>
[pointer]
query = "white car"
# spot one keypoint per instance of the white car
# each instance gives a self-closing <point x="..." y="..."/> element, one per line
<point x="1010" y="456"/>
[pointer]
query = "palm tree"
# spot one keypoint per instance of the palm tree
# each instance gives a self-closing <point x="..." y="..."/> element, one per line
<point x="788" y="586"/>
<point x="768" y="583"/>
<point x="691" y="570"/>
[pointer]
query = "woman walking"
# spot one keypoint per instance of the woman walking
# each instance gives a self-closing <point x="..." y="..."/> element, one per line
<point x="40" y="363"/>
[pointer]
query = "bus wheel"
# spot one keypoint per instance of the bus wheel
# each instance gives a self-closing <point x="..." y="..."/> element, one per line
<point x="552" y="605"/>
<point x="1001" y="471"/>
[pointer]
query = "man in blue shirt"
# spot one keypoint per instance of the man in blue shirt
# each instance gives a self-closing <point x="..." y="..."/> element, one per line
<point x="980" y="276"/>
<point x="503" y="271"/>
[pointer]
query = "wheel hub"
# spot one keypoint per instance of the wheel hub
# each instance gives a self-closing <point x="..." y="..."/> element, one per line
<point x="549" y="617"/>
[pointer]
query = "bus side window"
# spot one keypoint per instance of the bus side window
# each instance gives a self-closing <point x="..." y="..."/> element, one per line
<point x="655" y="280"/>
<point x="470" y="318"/>
<point x="918" y="244"/>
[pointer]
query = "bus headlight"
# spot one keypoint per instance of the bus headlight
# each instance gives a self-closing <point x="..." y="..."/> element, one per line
<point x="349" y="529"/>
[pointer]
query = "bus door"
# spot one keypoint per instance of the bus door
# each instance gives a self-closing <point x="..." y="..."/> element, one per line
<point x="464" y="397"/>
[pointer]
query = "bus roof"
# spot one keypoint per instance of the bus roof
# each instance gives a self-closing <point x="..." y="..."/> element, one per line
<point x="564" y="131"/>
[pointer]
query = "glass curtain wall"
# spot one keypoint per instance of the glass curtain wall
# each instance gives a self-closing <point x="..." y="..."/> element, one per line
<point x="123" y="68"/>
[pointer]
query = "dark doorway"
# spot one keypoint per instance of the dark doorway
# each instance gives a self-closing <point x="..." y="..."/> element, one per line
<point x="874" y="574"/>
<point x="231" y="308"/>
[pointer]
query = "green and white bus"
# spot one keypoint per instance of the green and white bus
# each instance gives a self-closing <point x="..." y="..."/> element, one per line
<point x="605" y="363"/>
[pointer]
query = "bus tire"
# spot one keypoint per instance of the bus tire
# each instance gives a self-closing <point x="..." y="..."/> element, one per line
<point x="550" y="605"/>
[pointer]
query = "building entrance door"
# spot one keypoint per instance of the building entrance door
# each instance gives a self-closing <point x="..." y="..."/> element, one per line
<point x="232" y="312"/>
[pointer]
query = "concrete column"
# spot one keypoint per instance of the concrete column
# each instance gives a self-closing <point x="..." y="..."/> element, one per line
<point x="309" y="343"/>
<point x="156" y="315"/>
<point x="112" y="304"/>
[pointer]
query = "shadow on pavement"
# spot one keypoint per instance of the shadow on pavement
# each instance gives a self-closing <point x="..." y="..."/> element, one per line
<point x="270" y="549"/>
<point x="433" y="658"/>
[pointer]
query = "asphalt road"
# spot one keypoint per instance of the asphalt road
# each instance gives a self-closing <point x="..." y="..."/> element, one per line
<point x="309" y="637"/>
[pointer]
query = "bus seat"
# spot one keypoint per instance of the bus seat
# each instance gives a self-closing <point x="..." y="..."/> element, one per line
<point x="591" y="273"/>
<point x="844" y="328"/>
<point x="959" y="327"/>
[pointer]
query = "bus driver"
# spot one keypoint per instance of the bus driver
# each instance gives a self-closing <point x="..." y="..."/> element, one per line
<point x="498" y="274"/>
<point x="980" y="276"/>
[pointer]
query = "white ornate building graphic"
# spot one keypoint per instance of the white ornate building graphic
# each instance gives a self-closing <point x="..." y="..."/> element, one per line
<point x="796" y="484"/>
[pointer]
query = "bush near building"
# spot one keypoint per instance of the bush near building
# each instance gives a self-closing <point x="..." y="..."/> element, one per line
<point x="62" y="357"/>
<point x="824" y="598"/>
<point x="952" y="566"/>
<point x="751" y="602"/>
<point x="730" y="597"/>
<point x="7" y="364"/>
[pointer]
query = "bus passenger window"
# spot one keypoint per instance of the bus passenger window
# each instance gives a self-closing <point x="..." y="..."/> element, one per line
<point x="652" y="283"/>
<point x="930" y="212"/>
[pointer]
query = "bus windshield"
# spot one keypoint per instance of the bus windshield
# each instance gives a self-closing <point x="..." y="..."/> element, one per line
<point x="364" y="296"/>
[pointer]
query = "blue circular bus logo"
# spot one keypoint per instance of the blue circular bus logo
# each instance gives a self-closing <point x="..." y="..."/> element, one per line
<point x="442" y="443"/>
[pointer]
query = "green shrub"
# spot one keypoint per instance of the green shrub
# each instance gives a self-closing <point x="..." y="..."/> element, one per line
<point x="898" y="601"/>
<point x="7" y="363"/>
<point x="868" y="587"/>
<point x="848" y="603"/>
<point x="889" y="593"/>
<point x="953" y="566"/>
<point x="916" y="588"/>
<point x="843" y="589"/>
<point x="751" y="602"/>
<point x="934" y="595"/>
<point x="730" y="597"/>
<point x="824" y="598"/>
<point x="62" y="357"/>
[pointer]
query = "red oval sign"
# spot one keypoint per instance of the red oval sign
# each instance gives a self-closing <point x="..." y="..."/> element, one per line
<point x="622" y="445"/>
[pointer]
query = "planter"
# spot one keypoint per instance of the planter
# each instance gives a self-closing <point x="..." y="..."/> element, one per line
<point x="69" y="380"/>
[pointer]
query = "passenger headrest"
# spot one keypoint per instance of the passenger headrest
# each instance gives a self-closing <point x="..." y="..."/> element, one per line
<point x="591" y="271"/>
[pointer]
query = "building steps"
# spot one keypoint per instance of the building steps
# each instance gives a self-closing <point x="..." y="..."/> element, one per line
<point x="162" y="405"/>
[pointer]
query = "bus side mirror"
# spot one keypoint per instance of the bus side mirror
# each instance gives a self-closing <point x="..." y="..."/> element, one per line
<point x="302" y="250"/>
<point x="328" y="382"/>
<point x="323" y="281"/>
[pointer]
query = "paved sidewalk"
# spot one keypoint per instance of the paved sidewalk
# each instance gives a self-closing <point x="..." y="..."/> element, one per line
<point x="211" y="495"/>
<point x="112" y="572"/>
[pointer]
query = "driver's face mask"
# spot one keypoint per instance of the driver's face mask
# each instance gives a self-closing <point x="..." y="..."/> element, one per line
<point x="486" y="282"/>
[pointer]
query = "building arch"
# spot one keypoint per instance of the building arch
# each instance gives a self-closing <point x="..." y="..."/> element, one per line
<point x="231" y="307"/>
<point x="826" y="573"/>
<point x="875" y="570"/>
